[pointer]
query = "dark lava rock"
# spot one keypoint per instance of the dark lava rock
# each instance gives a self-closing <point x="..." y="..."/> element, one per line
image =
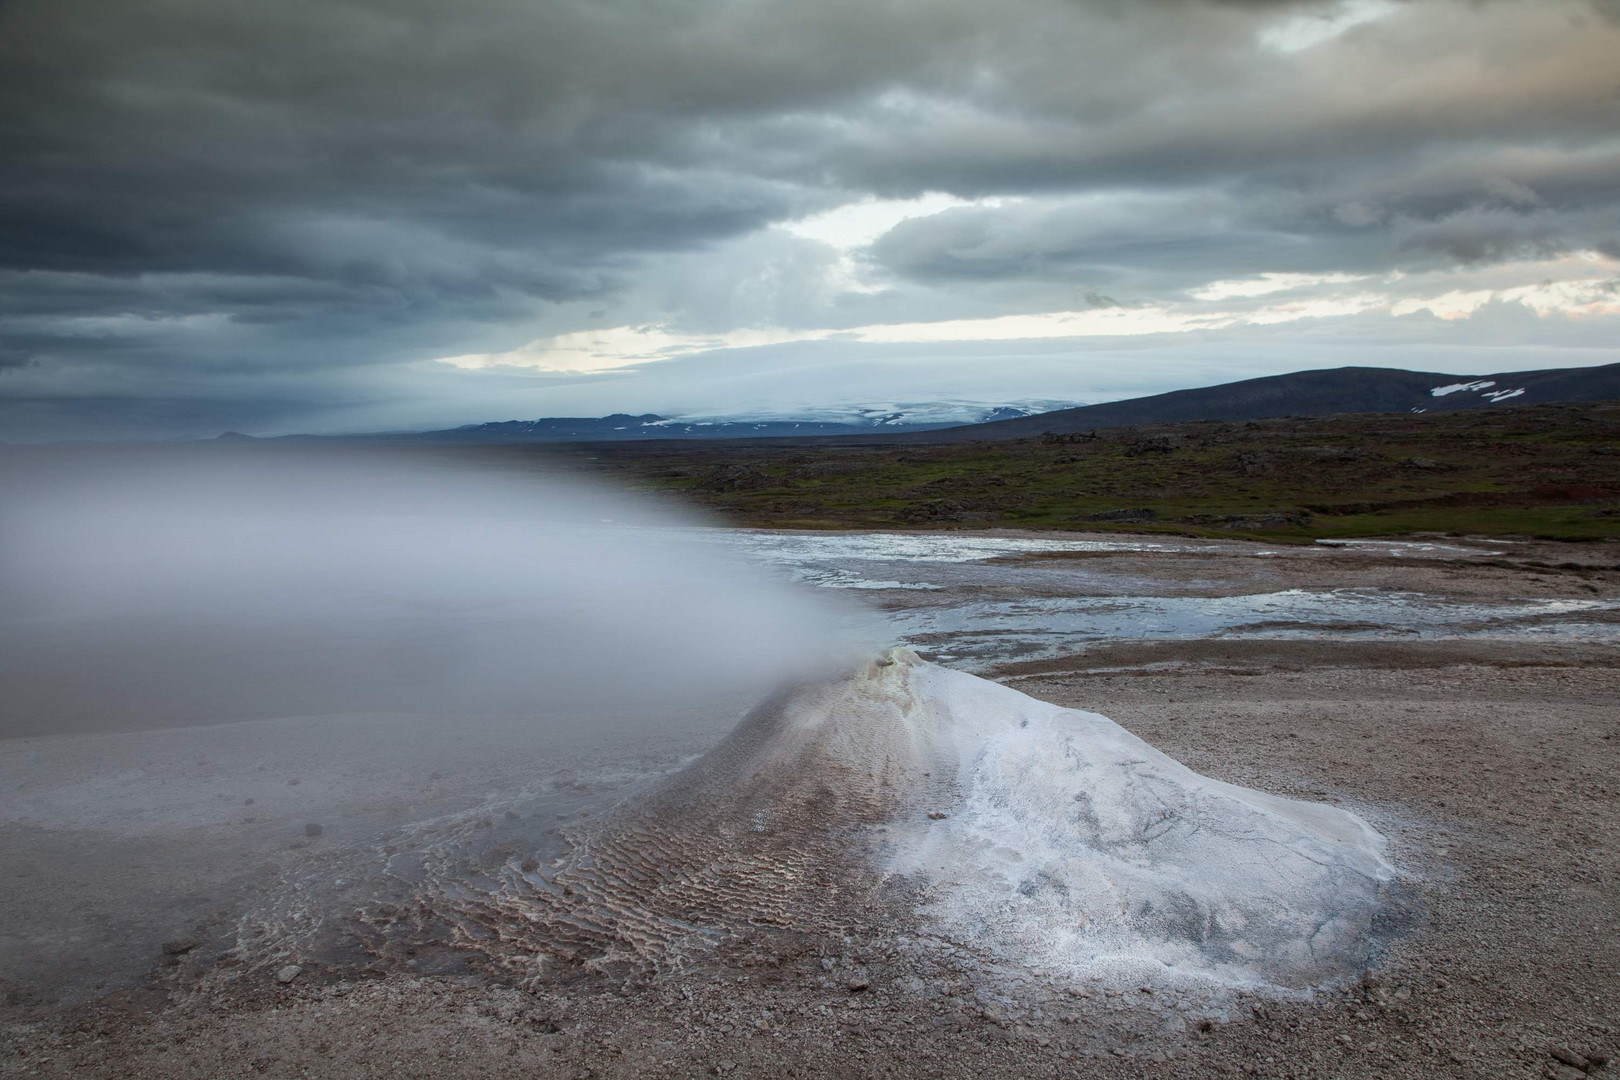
<point x="1139" y="514"/>
<point x="1568" y="1057"/>
<point x="933" y="510"/>
<point x="735" y="478"/>
<point x="1155" y="444"/>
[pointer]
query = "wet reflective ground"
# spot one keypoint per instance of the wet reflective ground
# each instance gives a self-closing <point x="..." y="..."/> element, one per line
<point x="977" y="601"/>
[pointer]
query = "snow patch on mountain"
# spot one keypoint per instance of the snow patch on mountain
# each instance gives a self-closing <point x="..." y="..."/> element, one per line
<point x="905" y="413"/>
<point x="1452" y="388"/>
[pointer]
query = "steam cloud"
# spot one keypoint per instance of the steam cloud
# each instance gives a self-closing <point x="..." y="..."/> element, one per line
<point x="196" y="585"/>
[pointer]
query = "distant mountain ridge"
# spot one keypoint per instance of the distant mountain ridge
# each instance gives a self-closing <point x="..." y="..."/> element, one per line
<point x="619" y="427"/>
<point x="1323" y="392"/>
<point x="623" y="427"/>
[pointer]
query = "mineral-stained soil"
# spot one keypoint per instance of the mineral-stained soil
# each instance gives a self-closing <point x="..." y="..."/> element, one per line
<point x="1492" y="768"/>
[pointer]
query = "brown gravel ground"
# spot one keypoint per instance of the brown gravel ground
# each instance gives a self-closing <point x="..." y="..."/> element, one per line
<point x="1492" y="769"/>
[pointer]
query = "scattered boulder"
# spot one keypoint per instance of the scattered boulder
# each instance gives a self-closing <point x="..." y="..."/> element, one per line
<point x="1254" y="464"/>
<point x="1137" y="515"/>
<point x="818" y="470"/>
<point x="1569" y="1057"/>
<point x="933" y="510"/>
<point x="1154" y="444"/>
<point x="734" y="478"/>
<point x="1343" y="454"/>
<point x="1250" y="521"/>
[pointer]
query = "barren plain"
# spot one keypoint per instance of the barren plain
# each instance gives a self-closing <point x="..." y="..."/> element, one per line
<point x="1484" y="743"/>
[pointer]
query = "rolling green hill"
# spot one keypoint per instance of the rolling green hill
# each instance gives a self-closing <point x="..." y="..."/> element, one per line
<point x="1548" y="471"/>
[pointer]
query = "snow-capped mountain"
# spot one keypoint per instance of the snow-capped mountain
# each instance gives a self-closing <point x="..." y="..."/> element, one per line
<point x="1320" y="393"/>
<point x="1301" y="393"/>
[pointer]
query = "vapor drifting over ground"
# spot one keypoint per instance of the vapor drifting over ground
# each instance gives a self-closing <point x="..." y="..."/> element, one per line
<point x="210" y="654"/>
<point x="202" y="585"/>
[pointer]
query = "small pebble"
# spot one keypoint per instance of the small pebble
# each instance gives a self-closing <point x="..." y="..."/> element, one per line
<point x="1569" y="1057"/>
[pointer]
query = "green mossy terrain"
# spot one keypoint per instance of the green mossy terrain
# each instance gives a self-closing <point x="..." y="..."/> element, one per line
<point x="1550" y="471"/>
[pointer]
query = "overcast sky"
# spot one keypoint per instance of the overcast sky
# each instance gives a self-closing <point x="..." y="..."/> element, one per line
<point x="326" y="215"/>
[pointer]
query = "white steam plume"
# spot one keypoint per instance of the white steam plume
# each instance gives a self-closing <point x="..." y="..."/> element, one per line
<point x="163" y="586"/>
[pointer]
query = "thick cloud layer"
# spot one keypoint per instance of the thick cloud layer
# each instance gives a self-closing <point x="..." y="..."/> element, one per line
<point x="279" y="216"/>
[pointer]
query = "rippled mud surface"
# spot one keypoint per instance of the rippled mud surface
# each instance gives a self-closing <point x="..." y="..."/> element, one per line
<point x="282" y="836"/>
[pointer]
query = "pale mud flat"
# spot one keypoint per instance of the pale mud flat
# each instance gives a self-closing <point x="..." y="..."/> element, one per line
<point x="1487" y="759"/>
<point x="117" y="842"/>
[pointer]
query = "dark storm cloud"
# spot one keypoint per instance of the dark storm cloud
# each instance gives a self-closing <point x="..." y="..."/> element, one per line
<point x="1158" y="243"/>
<point x="1483" y="236"/>
<point x="199" y="191"/>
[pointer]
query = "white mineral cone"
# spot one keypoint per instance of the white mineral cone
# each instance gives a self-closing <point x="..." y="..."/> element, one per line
<point x="1072" y="845"/>
<point x="1045" y="837"/>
